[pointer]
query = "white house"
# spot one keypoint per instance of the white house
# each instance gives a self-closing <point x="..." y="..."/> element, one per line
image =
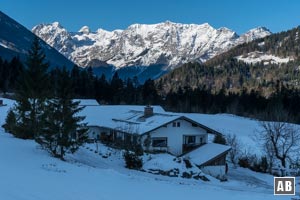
<point x="157" y="131"/>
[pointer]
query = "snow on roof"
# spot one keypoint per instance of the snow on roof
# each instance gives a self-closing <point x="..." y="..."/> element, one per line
<point x="244" y="128"/>
<point x="87" y="102"/>
<point x="206" y="152"/>
<point x="126" y="118"/>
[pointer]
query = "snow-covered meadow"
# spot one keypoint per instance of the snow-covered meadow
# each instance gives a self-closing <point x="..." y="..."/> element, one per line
<point x="29" y="173"/>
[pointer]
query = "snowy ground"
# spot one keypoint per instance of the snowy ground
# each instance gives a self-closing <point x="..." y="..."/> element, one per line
<point x="28" y="173"/>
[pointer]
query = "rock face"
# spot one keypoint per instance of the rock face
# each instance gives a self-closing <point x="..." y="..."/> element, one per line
<point x="166" y="44"/>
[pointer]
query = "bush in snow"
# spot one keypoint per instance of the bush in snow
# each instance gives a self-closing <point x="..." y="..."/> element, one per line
<point x="251" y="162"/>
<point x="132" y="160"/>
<point x="10" y="122"/>
<point x="244" y="162"/>
<point x="264" y="165"/>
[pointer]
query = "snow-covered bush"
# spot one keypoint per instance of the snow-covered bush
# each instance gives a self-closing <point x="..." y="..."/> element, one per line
<point x="132" y="160"/>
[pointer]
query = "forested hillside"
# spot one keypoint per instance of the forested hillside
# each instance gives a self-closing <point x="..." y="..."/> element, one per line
<point x="257" y="65"/>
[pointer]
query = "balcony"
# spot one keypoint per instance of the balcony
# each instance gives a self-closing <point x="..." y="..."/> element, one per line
<point x="192" y="142"/>
<point x="190" y="147"/>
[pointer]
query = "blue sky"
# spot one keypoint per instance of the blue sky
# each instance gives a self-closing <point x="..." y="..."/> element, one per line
<point x="240" y="16"/>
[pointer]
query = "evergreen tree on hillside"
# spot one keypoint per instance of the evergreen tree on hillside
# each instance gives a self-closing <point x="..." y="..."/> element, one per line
<point x="63" y="131"/>
<point x="9" y="74"/>
<point x="117" y="87"/>
<point x="32" y="91"/>
<point x="219" y="139"/>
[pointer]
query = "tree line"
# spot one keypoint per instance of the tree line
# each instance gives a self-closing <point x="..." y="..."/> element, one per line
<point x="245" y="101"/>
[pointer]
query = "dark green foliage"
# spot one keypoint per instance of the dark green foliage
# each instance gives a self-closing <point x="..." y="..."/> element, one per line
<point x="10" y="122"/>
<point x="132" y="160"/>
<point x="149" y="92"/>
<point x="31" y="93"/>
<point x="10" y="74"/>
<point x="35" y="77"/>
<point x="44" y="112"/>
<point x="219" y="139"/>
<point x="62" y="131"/>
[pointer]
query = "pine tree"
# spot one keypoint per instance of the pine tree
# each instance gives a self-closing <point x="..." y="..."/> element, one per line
<point x="63" y="131"/>
<point x="32" y="91"/>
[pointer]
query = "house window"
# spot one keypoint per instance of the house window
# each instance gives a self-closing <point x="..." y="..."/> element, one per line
<point x="176" y="124"/>
<point x="190" y="140"/>
<point x="201" y="140"/>
<point x="120" y="135"/>
<point x="160" y="142"/>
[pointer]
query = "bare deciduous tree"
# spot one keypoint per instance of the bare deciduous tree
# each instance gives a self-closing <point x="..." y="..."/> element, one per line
<point x="235" y="151"/>
<point x="280" y="139"/>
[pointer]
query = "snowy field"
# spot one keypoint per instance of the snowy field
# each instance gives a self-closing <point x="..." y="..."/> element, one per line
<point x="28" y="173"/>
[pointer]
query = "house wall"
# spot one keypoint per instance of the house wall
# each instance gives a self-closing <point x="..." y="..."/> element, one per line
<point x="94" y="132"/>
<point x="176" y="134"/>
<point x="215" y="171"/>
<point x="219" y="160"/>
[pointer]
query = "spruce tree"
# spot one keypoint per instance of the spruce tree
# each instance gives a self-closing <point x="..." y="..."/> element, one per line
<point x="32" y="91"/>
<point x="63" y="131"/>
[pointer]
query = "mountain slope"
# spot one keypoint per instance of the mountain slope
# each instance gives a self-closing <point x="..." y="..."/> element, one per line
<point x="166" y="44"/>
<point x="15" y="40"/>
<point x="257" y="65"/>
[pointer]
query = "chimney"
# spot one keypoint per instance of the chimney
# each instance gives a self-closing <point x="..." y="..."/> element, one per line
<point x="1" y="102"/>
<point x="148" y="111"/>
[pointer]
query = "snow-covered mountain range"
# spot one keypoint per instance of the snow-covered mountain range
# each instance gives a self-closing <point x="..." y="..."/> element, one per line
<point x="166" y="44"/>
